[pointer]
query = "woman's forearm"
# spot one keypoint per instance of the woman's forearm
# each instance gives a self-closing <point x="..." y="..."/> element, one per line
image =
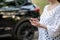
<point x="43" y="26"/>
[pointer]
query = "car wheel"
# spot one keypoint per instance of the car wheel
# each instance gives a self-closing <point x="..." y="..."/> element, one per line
<point x="25" y="31"/>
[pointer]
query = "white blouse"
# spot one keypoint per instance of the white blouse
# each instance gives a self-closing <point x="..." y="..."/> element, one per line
<point x="52" y="20"/>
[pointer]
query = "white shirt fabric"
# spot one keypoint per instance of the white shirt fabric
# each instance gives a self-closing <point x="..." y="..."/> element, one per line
<point x="51" y="19"/>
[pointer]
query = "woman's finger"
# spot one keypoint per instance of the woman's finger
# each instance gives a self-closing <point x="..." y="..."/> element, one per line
<point x="33" y="24"/>
<point x="34" y="19"/>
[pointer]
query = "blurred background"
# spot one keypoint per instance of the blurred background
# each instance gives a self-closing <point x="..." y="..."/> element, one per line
<point x="40" y="3"/>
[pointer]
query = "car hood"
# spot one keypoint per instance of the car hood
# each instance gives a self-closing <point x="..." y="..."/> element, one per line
<point x="9" y="9"/>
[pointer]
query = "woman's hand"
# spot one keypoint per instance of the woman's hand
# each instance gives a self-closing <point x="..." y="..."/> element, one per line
<point x="35" y="22"/>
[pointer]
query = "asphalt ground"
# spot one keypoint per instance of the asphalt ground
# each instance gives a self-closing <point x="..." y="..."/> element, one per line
<point x="9" y="38"/>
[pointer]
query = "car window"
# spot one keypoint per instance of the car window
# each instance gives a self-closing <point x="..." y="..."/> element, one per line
<point x="4" y="3"/>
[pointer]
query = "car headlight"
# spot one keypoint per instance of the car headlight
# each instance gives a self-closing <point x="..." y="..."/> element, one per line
<point x="8" y="14"/>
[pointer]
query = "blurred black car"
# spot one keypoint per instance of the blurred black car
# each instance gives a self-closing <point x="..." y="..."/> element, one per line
<point x="14" y="19"/>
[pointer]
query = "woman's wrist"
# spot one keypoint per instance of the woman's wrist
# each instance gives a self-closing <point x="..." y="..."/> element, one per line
<point x="43" y="26"/>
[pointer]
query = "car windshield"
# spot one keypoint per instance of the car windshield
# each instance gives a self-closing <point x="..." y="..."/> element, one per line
<point x="4" y="3"/>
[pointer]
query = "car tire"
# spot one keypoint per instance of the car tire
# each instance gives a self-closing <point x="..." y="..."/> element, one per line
<point x="25" y="31"/>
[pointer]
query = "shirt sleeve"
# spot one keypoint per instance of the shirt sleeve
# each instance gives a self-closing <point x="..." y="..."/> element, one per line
<point x="54" y="30"/>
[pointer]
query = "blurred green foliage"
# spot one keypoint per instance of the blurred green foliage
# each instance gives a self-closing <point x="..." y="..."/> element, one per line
<point x="40" y="3"/>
